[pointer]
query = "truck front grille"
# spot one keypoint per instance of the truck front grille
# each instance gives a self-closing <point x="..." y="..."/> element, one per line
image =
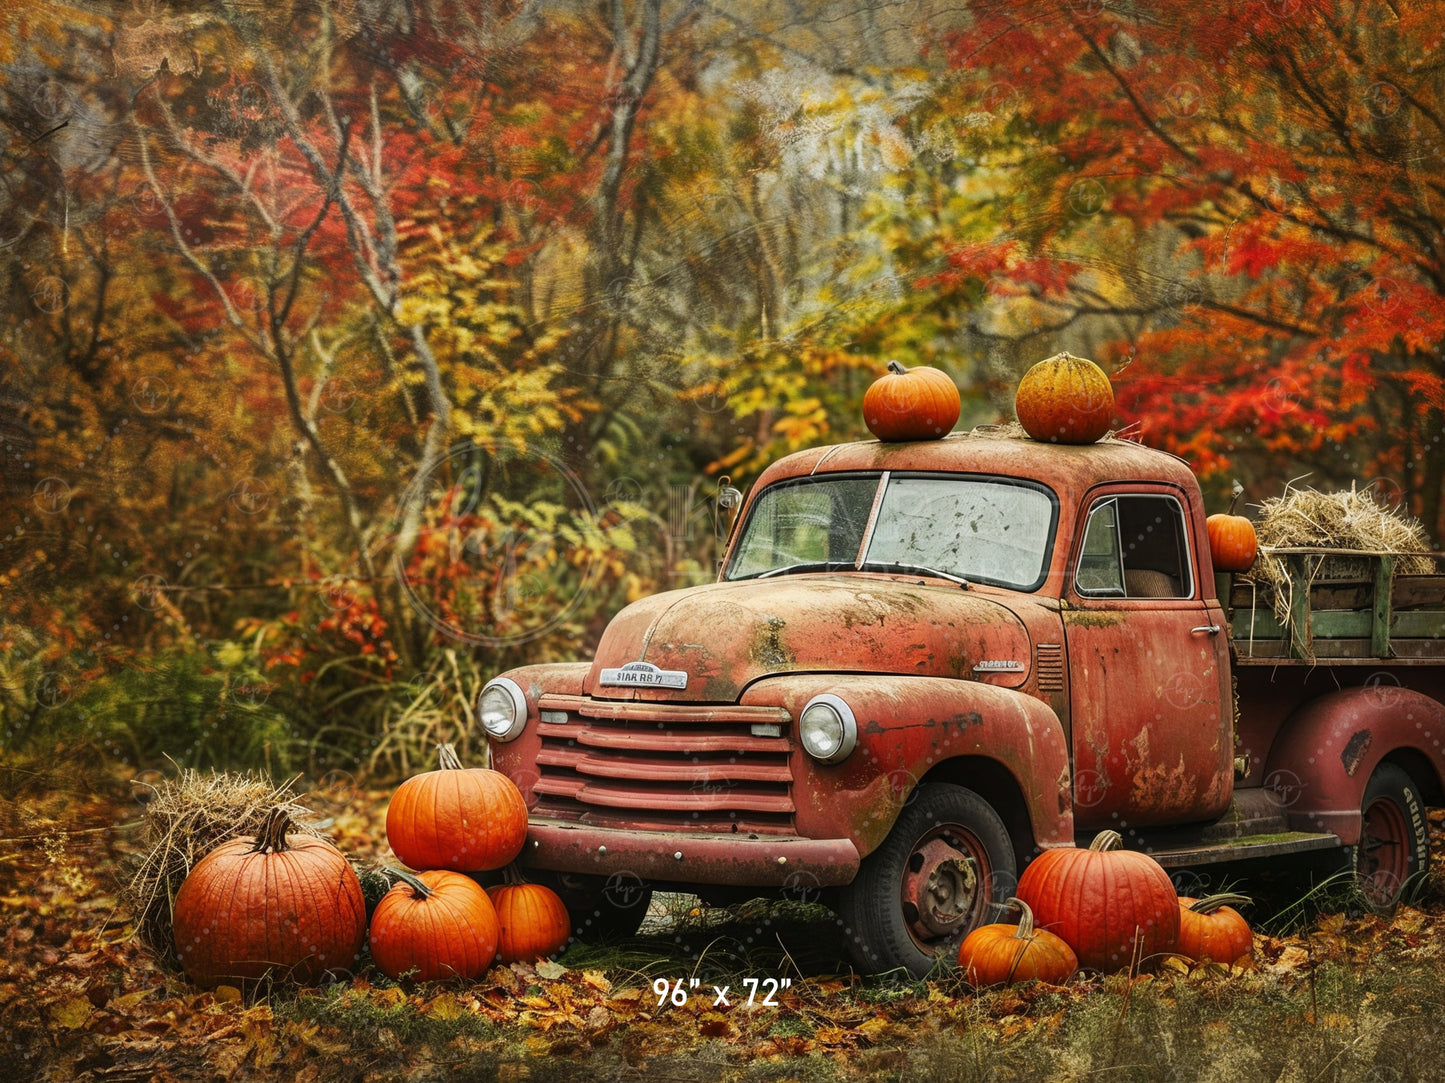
<point x="665" y="766"/>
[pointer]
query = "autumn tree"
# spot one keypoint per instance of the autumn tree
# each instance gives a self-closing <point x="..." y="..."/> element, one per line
<point x="1237" y="208"/>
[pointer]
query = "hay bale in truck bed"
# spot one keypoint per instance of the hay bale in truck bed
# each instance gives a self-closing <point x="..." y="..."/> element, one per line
<point x="1347" y="520"/>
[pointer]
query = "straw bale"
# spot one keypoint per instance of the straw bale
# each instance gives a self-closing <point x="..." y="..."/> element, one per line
<point x="185" y="818"/>
<point x="1346" y="519"/>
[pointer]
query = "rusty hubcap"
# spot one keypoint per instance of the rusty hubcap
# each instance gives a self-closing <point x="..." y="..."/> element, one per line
<point x="1383" y="861"/>
<point x="944" y="885"/>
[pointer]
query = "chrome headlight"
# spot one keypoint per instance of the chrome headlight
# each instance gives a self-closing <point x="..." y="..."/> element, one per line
<point x="827" y="729"/>
<point x="502" y="709"/>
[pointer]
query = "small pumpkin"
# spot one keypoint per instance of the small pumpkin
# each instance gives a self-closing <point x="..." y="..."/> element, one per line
<point x="911" y="404"/>
<point x="534" y="921"/>
<point x="1065" y="400"/>
<point x="467" y="819"/>
<point x="1003" y="954"/>
<point x="1112" y="906"/>
<point x="1211" y="930"/>
<point x="269" y="906"/>
<point x="1232" y="541"/>
<point x="439" y="924"/>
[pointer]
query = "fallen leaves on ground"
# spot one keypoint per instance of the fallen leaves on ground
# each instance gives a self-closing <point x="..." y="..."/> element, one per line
<point x="80" y="1000"/>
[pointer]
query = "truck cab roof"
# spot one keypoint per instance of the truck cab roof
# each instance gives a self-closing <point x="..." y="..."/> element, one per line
<point x="995" y="450"/>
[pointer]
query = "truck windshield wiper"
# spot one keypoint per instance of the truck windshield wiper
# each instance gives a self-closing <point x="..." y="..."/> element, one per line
<point x="868" y="566"/>
<point x="806" y="566"/>
<point x="911" y="569"/>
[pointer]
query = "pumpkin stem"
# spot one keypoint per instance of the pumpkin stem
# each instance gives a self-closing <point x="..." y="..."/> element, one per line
<point x="271" y="838"/>
<point x="1107" y="840"/>
<point x="1025" y="931"/>
<point x="447" y="758"/>
<point x="419" y="888"/>
<point x="1238" y="492"/>
<point x="512" y="876"/>
<point x="897" y="368"/>
<point x="1212" y="903"/>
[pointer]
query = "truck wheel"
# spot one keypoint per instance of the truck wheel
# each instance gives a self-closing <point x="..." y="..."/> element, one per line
<point x="936" y="876"/>
<point x="1394" y="847"/>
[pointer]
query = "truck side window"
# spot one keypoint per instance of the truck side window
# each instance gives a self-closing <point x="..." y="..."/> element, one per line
<point x="1101" y="573"/>
<point x="1135" y="547"/>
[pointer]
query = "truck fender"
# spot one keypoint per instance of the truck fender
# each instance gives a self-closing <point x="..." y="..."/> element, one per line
<point x="1321" y="762"/>
<point x="907" y="727"/>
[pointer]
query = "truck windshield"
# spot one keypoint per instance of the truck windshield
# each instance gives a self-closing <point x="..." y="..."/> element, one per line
<point x="984" y="530"/>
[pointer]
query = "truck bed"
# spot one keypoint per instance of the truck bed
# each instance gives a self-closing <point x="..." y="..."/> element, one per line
<point x="1357" y="620"/>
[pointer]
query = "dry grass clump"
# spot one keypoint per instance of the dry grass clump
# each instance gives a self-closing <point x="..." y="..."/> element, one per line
<point x="1348" y="519"/>
<point x="185" y="818"/>
<point x="1014" y="430"/>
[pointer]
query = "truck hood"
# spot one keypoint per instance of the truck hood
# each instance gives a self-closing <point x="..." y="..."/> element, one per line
<point x="708" y="643"/>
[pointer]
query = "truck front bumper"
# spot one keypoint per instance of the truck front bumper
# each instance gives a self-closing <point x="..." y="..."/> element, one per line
<point x="691" y="858"/>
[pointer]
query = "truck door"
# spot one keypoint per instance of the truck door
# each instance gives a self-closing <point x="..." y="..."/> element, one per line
<point x="1150" y="696"/>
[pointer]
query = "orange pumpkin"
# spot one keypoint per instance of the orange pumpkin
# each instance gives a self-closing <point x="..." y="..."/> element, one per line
<point x="1003" y="954"/>
<point x="437" y="925"/>
<point x="1211" y="930"/>
<point x="1112" y="906"/>
<point x="269" y="906"/>
<point x="1232" y="542"/>
<point x="534" y="921"/>
<point x="1065" y="400"/>
<point x="911" y="404"/>
<point x="468" y="819"/>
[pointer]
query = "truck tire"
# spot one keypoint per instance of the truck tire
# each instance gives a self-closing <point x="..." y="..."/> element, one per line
<point x="1394" y="848"/>
<point x="936" y="877"/>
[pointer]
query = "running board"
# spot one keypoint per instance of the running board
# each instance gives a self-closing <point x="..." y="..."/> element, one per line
<point x="1241" y="849"/>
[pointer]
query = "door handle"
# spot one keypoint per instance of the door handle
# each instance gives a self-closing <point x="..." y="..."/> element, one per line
<point x="1212" y="629"/>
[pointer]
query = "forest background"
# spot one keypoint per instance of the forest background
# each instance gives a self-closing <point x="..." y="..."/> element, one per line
<point x="355" y="350"/>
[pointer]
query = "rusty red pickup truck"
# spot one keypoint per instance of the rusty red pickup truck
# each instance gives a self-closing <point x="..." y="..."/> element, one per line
<point x="924" y="663"/>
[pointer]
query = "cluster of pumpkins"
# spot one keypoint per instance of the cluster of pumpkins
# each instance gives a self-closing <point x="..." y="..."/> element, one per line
<point x="1104" y="908"/>
<point x="291" y="905"/>
<point x="1061" y="400"/>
